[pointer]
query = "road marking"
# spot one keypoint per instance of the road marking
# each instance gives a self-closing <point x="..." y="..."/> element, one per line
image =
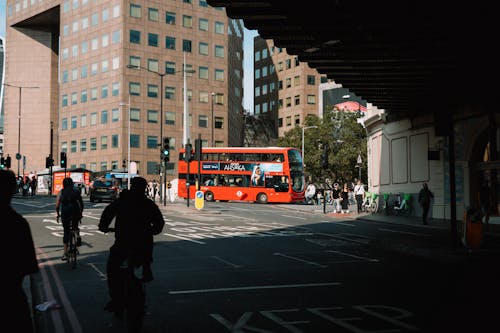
<point x="278" y="286"/>
<point x="227" y="262"/>
<point x="295" y="217"/>
<point x="102" y="275"/>
<point x="405" y="232"/>
<point x="339" y="223"/>
<point x="50" y="221"/>
<point x="353" y="256"/>
<point x="301" y="260"/>
<point x="92" y="217"/>
<point x="184" y="238"/>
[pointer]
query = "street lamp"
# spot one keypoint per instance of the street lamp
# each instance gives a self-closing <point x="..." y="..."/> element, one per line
<point x="303" y="129"/>
<point x="161" y="75"/>
<point x="128" y="152"/>
<point x="18" y="154"/>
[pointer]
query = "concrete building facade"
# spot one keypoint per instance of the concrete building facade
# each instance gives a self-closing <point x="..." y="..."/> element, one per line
<point x="81" y="67"/>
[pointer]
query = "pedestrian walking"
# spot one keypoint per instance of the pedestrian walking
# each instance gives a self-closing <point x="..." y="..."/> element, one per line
<point x="16" y="312"/>
<point x="359" y="193"/>
<point x="335" y="193"/>
<point x="344" y="195"/>
<point x="424" y="199"/>
<point x="34" y="185"/>
<point x="310" y="193"/>
<point x="155" y="189"/>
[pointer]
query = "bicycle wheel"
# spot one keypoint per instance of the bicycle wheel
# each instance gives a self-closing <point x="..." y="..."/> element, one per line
<point x="135" y="300"/>
<point x="72" y="250"/>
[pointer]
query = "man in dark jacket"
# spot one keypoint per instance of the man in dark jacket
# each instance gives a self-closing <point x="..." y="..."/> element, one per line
<point x="424" y="199"/>
<point x="16" y="313"/>
<point x="137" y="220"/>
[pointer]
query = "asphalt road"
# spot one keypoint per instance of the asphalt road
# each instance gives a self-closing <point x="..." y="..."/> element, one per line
<point x="242" y="267"/>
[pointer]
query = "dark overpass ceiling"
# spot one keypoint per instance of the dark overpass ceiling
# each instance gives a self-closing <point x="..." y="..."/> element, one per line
<point x="407" y="57"/>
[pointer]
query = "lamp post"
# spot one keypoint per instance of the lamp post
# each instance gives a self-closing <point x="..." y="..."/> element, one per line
<point x="128" y="142"/>
<point x="359" y="164"/>
<point x="18" y="154"/>
<point x="163" y="183"/>
<point x="303" y="130"/>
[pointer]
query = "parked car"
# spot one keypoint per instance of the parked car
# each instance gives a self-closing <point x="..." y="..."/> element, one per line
<point x="102" y="190"/>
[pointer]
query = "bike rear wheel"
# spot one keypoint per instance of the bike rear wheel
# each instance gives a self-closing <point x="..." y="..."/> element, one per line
<point x="72" y="250"/>
<point x="135" y="301"/>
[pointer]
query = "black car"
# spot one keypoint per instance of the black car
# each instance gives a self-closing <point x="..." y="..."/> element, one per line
<point x="103" y="190"/>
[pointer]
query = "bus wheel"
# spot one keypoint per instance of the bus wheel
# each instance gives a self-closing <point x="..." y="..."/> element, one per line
<point x="209" y="196"/>
<point x="262" y="198"/>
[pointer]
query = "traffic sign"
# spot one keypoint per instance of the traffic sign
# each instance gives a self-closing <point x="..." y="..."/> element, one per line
<point x="199" y="200"/>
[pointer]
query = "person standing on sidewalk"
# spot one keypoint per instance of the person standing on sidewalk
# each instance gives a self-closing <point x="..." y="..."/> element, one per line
<point x="359" y="192"/>
<point x="17" y="313"/>
<point x="424" y="199"/>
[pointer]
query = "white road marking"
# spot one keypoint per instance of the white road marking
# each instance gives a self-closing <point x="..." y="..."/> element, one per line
<point x="405" y="232"/>
<point x="295" y="217"/>
<point x="184" y="238"/>
<point x="102" y="275"/>
<point x="301" y="260"/>
<point x="278" y="286"/>
<point x="354" y="256"/>
<point x="227" y="262"/>
<point x="340" y="223"/>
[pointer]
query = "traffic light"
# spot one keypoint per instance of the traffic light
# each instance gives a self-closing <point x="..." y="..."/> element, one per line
<point x="2" y="162"/>
<point x="7" y="162"/>
<point x="49" y="162"/>
<point x="64" y="161"/>
<point x="324" y="157"/>
<point x="197" y="149"/>
<point x="165" y="150"/>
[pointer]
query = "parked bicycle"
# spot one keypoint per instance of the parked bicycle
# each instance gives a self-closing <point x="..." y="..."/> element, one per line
<point x="132" y="305"/>
<point x="402" y="206"/>
<point x="371" y="202"/>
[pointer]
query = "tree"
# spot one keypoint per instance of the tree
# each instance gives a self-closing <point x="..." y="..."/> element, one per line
<point x="345" y="137"/>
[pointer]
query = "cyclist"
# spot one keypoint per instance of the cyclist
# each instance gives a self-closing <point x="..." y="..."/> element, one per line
<point x="138" y="218"/>
<point x="69" y="206"/>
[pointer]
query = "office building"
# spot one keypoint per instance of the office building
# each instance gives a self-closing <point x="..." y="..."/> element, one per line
<point x="81" y="67"/>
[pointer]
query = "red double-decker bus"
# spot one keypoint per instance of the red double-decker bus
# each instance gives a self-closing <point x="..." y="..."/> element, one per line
<point x="269" y="174"/>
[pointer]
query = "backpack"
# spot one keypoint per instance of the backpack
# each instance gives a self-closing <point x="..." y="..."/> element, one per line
<point x="69" y="199"/>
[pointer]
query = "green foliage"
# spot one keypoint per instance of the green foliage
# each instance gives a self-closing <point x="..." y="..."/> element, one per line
<point x="345" y="138"/>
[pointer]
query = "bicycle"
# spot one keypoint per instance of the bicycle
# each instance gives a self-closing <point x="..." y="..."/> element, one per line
<point x="371" y="203"/>
<point x="386" y="203"/>
<point x="73" y="244"/>
<point x="402" y="207"/>
<point x="133" y="299"/>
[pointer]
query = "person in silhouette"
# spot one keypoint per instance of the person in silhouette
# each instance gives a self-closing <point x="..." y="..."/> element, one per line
<point x="424" y="199"/>
<point x="17" y="313"/>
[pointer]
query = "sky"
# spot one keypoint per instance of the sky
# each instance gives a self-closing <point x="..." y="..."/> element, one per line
<point x="247" y="59"/>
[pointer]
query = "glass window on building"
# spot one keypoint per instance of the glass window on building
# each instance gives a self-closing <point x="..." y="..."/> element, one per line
<point x="116" y="63"/>
<point x="170" y="18"/>
<point x="104" y="166"/>
<point x="170" y="118"/>
<point x="74" y="98"/>
<point x="153" y="14"/>
<point x="170" y="42"/>
<point x="187" y="21"/>
<point x="83" y="120"/>
<point x="296" y="119"/>
<point x="134" y="61"/>
<point x="74" y="122"/>
<point x="94" y="19"/>
<point x="93" y="166"/>
<point x="203" y="97"/>
<point x="203" y="73"/>
<point x="134" y="88"/>
<point x="93" y="93"/>
<point x="219" y="51"/>
<point x="219" y="28"/>
<point x="264" y="107"/>
<point x="115" y="37"/>
<point x="219" y="75"/>
<point x="169" y="67"/>
<point x="64" y="100"/>
<point x="114" y="165"/>
<point x="169" y="92"/>
<point x="311" y="80"/>
<point x="64" y="124"/>
<point x="105" y="40"/>
<point x="311" y="99"/>
<point x="85" y="47"/>
<point x="256" y="56"/>
<point x="153" y="39"/>
<point x="84" y="72"/>
<point x="296" y="80"/>
<point x="186" y="45"/>
<point x="93" y="119"/>
<point x="135" y="37"/>
<point x="115" y="115"/>
<point x="104" y="91"/>
<point x="93" y="143"/>
<point x="151" y="168"/>
<point x="93" y="68"/>
<point x="152" y="116"/>
<point x="203" y="48"/>
<point x="288" y="63"/>
<point x="64" y="146"/>
<point x="104" y="142"/>
<point x="65" y="77"/>
<point x="289" y="121"/>
<point x="256" y="92"/>
<point x="135" y="141"/>
<point x="219" y="122"/>
<point x="153" y="90"/>
<point x="288" y="82"/>
<point x="288" y="102"/>
<point x="135" y="10"/>
<point x="203" y="24"/>
<point x="202" y="121"/>
<point x="115" y="88"/>
<point x="135" y="114"/>
<point x="264" y="54"/>
<point x="256" y="109"/>
<point x="104" y="116"/>
<point x="297" y="99"/>
<point x="73" y="146"/>
<point x="264" y="89"/>
<point x="83" y="145"/>
<point x="152" y="142"/>
<point x="153" y="65"/>
<point x="114" y="141"/>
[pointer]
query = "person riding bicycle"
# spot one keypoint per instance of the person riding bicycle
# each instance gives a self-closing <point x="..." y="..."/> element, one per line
<point x="138" y="219"/>
<point x="69" y="206"/>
